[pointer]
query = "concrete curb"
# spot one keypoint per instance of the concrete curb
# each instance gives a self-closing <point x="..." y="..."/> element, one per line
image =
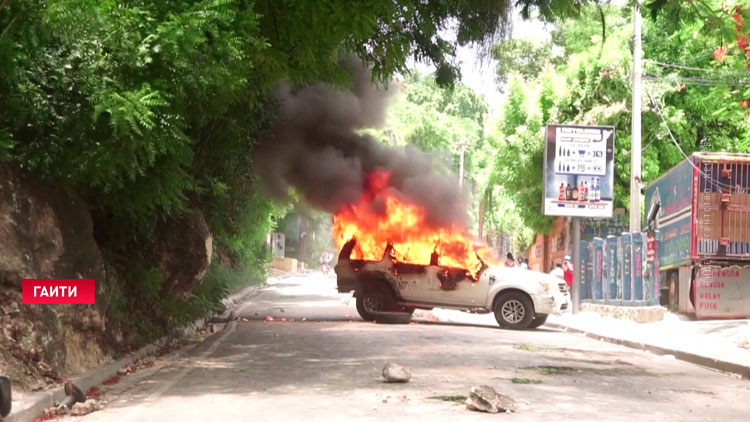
<point x="37" y="403"/>
<point x="693" y="358"/>
<point x="41" y="401"/>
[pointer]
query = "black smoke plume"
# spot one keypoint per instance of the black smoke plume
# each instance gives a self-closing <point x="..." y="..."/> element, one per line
<point x="314" y="148"/>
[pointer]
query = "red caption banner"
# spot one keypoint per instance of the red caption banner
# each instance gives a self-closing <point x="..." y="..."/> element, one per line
<point x="59" y="291"/>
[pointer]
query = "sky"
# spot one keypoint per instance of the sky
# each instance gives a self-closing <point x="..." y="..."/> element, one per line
<point x="479" y="73"/>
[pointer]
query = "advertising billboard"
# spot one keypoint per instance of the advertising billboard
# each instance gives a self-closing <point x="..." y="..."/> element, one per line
<point x="579" y="171"/>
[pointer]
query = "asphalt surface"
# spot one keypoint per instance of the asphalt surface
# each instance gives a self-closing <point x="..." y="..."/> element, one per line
<point x="318" y="361"/>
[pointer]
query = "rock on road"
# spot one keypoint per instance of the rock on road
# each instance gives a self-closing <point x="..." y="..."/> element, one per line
<point x="326" y="366"/>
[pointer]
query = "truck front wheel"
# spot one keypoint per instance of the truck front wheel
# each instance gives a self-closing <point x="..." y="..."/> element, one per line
<point x="514" y="311"/>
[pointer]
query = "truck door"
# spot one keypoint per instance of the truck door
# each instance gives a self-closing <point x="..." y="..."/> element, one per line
<point x="446" y="286"/>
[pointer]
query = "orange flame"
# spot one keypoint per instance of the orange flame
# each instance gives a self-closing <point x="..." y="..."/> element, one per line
<point x="382" y="217"/>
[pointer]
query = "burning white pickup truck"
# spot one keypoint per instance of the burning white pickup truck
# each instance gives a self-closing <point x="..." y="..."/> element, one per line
<point x="519" y="298"/>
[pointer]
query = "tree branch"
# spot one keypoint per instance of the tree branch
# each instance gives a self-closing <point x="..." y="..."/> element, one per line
<point x="8" y="27"/>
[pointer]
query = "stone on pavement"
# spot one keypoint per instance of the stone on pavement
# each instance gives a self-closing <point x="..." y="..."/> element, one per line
<point x="484" y="398"/>
<point x="393" y="372"/>
<point x="74" y="395"/>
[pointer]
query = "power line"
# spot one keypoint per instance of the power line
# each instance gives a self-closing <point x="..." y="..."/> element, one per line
<point x="693" y="59"/>
<point x="713" y="77"/>
<point x="696" y="69"/>
<point x="679" y="66"/>
<point x="674" y="141"/>
<point x="694" y="80"/>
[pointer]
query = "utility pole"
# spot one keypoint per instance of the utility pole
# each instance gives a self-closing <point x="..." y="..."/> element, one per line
<point x="575" y="291"/>
<point x="635" y="149"/>
<point x="461" y="164"/>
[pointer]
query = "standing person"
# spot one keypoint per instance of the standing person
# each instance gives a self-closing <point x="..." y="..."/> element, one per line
<point x="568" y="271"/>
<point x="558" y="271"/>
<point x="525" y="264"/>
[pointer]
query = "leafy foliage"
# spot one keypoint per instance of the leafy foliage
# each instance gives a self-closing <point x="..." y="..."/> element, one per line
<point x="519" y="145"/>
<point x="591" y="85"/>
<point x="146" y="109"/>
<point x="525" y="57"/>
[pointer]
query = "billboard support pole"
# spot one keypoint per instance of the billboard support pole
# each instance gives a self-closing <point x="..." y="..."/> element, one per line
<point x="575" y="292"/>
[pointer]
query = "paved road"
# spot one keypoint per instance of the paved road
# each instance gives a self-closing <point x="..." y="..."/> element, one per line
<point x="325" y="366"/>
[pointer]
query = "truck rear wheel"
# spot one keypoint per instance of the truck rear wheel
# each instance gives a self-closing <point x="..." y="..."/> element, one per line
<point x="514" y="311"/>
<point x="374" y="299"/>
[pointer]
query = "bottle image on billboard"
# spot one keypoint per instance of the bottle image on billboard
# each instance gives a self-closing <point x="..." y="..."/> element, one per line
<point x="598" y="191"/>
<point x="582" y="193"/>
<point x="568" y="193"/>
<point x="561" y="194"/>
<point x="593" y="193"/>
<point x="585" y="191"/>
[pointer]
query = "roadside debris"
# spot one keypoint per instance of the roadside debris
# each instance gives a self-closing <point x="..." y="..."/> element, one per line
<point x="530" y="348"/>
<point x="52" y="413"/>
<point x="393" y="372"/>
<point x="94" y="392"/>
<point x="518" y="380"/>
<point x="135" y="365"/>
<point x="451" y="398"/>
<point x="73" y="395"/>
<point x="484" y="398"/>
<point x="112" y="380"/>
<point x="395" y="399"/>
<point x="89" y="406"/>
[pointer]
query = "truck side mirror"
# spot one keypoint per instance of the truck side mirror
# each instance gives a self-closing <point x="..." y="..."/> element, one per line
<point x="653" y="213"/>
<point x="5" y="396"/>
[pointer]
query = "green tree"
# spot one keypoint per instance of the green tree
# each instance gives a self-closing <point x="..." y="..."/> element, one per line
<point x="525" y="57"/>
<point x="519" y="146"/>
<point x="148" y="108"/>
<point x="700" y="102"/>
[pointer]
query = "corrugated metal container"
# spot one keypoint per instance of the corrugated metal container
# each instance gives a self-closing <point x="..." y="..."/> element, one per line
<point x="721" y="206"/>
<point x="705" y="209"/>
